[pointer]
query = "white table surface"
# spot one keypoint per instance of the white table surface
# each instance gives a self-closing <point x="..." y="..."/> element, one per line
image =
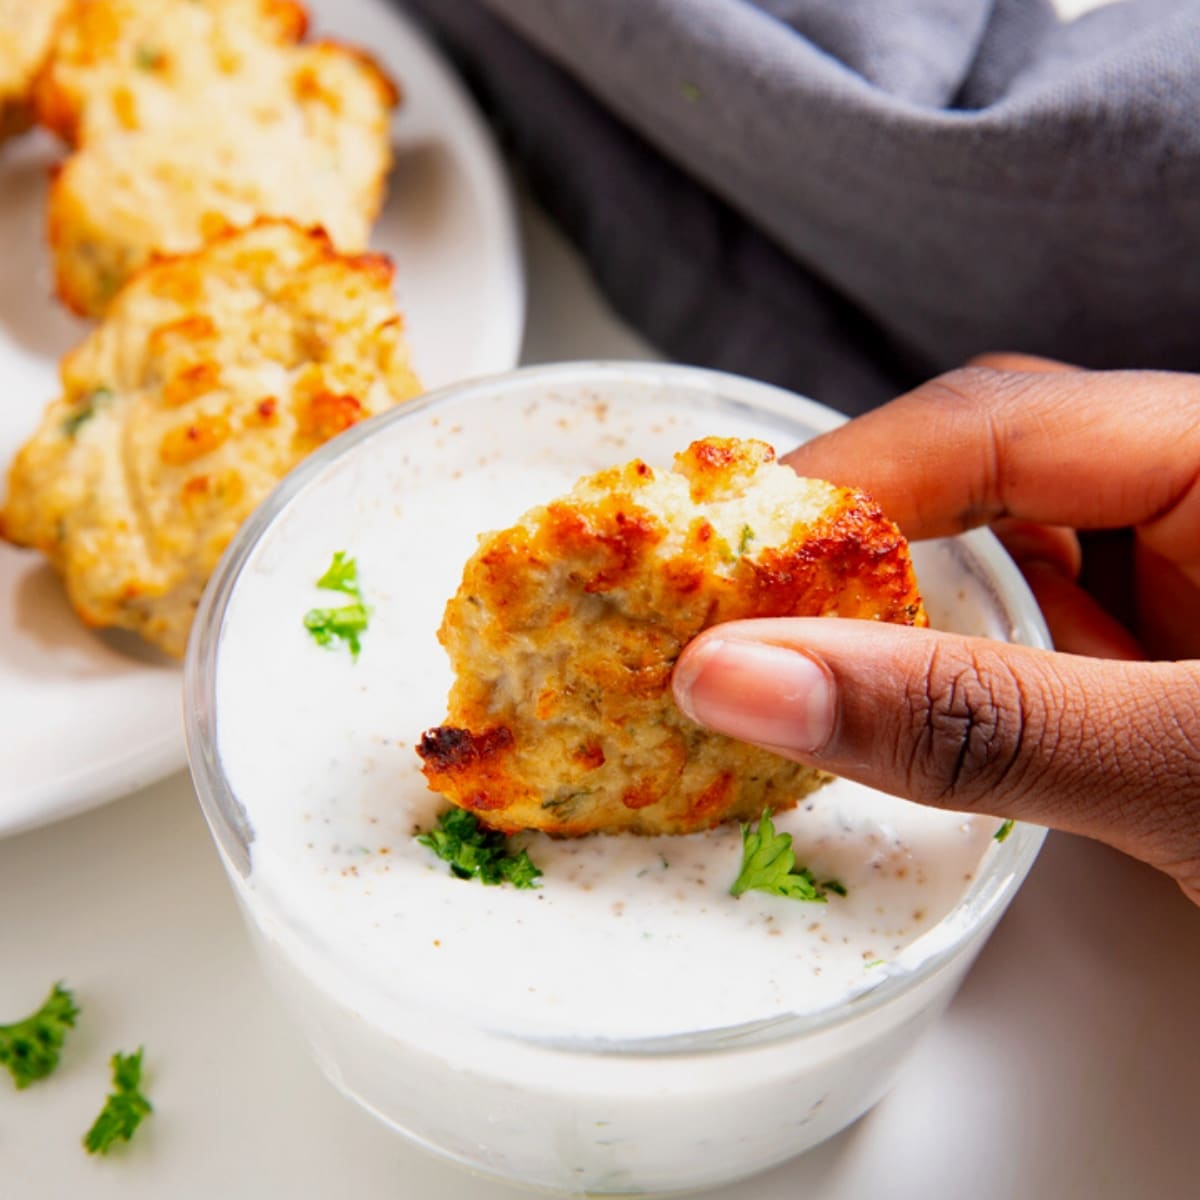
<point x="1066" y="1067"/>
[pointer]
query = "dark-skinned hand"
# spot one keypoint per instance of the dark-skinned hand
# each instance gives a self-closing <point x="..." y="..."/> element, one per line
<point x="1100" y="737"/>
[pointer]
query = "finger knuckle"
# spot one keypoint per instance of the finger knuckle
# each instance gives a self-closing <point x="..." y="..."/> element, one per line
<point x="970" y="387"/>
<point x="1166" y="819"/>
<point x="970" y="725"/>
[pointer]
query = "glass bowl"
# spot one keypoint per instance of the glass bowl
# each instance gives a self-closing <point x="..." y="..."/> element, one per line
<point x="299" y="756"/>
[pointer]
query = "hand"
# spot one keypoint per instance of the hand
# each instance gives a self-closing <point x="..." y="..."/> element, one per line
<point x="1092" y="739"/>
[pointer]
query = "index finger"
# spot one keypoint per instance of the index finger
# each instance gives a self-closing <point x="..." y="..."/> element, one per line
<point x="1089" y="449"/>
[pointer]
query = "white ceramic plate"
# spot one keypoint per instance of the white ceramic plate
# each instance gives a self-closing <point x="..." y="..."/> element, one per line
<point x="87" y="717"/>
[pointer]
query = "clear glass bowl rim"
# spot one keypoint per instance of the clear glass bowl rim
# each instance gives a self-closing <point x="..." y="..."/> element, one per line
<point x="983" y="901"/>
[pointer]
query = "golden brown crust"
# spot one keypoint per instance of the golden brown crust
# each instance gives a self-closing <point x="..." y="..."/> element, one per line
<point x="189" y="118"/>
<point x="213" y="375"/>
<point x="566" y="627"/>
<point x="116" y="62"/>
<point x="26" y="32"/>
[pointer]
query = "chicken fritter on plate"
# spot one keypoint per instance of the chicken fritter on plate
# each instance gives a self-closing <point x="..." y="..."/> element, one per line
<point x="189" y="118"/>
<point x="122" y="65"/>
<point x="212" y="376"/>
<point x="566" y="627"/>
<point x="26" y="30"/>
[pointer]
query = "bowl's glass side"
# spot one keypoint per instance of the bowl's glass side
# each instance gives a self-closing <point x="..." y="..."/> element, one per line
<point x="585" y="1121"/>
<point x="224" y="812"/>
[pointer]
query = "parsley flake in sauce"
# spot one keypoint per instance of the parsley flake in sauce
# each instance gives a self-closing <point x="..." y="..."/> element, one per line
<point x="477" y="853"/>
<point x="769" y="865"/>
<point x="346" y="622"/>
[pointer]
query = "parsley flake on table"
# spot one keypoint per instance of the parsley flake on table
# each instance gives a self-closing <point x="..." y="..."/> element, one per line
<point x="769" y="865"/>
<point x="1005" y="829"/>
<point x="30" y="1048"/>
<point x="125" y="1107"/>
<point x="477" y="853"/>
<point x="347" y="622"/>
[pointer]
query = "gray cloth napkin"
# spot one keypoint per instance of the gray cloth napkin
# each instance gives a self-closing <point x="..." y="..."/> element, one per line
<point x="847" y="196"/>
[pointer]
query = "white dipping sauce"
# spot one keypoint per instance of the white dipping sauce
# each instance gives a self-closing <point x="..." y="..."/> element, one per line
<point x="411" y="980"/>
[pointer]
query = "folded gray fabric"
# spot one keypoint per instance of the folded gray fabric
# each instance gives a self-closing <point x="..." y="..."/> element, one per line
<point x="846" y="196"/>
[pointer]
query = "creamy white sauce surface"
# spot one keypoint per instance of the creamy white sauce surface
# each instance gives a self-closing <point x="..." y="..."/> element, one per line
<point x="625" y="937"/>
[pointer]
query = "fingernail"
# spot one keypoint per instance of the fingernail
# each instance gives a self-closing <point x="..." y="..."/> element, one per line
<point x="757" y="692"/>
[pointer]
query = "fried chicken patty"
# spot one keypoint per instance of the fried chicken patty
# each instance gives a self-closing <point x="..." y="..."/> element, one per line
<point x="26" y="30"/>
<point x="190" y="118"/>
<point x="566" y="627"/>
<point x="212" y="376"/>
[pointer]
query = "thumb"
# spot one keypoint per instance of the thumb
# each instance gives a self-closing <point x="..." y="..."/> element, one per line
<point x="1106" y="749"/>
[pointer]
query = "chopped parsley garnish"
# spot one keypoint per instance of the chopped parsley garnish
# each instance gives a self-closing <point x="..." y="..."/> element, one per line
<point x="326" y="624"/>
<point x="85" y="410"/>
<point x="745" y="540"/>
<point x="477" y="853"/>
<point x="769" y="865"/>
<point x="1004" y="830"/>
<point x="125" y="1107"/>
<point x="342" y="576"/>
<point x="30" y="1048"/>
<point x="346" y="622"/>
